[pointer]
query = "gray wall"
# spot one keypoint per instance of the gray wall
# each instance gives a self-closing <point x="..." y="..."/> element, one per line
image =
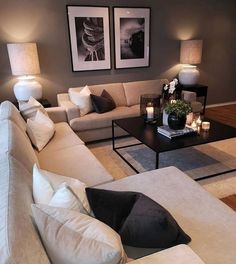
<point x="45" y="22"/>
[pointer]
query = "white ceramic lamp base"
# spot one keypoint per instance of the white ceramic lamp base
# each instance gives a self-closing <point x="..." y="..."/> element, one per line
<point x="189" y="75"/>
<point x="26" y="87"/>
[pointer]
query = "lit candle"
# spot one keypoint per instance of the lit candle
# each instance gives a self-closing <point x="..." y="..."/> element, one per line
<point x="150" y="112"/>
<point x="194" y="124"/>
<point x="205" y="125"/>
<point x="199" y="121"/>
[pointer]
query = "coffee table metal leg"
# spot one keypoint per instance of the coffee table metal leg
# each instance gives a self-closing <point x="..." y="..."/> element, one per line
<point x="157" y="160"/>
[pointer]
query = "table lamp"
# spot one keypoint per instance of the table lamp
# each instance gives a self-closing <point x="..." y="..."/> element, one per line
<point x="25" y="63"/>
<point x="190" y="54"/>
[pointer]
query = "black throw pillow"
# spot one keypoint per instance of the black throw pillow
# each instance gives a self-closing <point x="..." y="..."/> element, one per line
<point x="103" y="103"/>
<point x="140" y="221"/>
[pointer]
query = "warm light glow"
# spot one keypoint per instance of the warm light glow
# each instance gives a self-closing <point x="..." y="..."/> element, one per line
<point x="23" y="58"/>
<point x="191" y="51"/>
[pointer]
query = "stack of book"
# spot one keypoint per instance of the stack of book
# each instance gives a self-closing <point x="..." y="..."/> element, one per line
<point x="170" y="133"/>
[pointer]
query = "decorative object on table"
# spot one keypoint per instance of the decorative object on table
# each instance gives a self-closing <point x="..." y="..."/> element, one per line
<point x="132" y="29"/>
<point x="25" y="63"/>
<point x="150" y="107"/>
<point x="169" y="92"/>
<point x="89" y="37"/>
<point x="206" y="126"/>
<point x="171" y="133"/>
<point x="177" y="112"/>
<point x="190" y="54"/>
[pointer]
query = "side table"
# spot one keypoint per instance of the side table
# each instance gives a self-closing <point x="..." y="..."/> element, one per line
<point x="44" y="102"/>
<point x="199" y="89"/>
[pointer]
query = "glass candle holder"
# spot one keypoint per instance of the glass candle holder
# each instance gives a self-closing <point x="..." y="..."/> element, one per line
<point x="150" y="107"/>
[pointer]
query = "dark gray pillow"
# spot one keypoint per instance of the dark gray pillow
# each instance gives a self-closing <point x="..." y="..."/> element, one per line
<point x="103" y="103"/>
<point x="140" y="221"/>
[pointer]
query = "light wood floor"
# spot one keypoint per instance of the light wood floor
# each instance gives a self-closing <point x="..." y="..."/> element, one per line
<point x="224" y="114"/>
<point x="227" y="115"/>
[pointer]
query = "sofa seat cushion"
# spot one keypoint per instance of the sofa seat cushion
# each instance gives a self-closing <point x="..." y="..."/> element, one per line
<point x="180" y="254"/>
<point x="15" y="142"/>
<point x="133" y="90"/>
<point x="76" y="162"/>
<point x="64" y="137"/>
<point x="208" y="221"/>
<point x="95" y="120"/>
<point x="19" y="240"/>
<point x="9" y="111"/>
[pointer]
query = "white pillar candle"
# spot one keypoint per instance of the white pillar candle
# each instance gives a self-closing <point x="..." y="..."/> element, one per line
<point x="150" y="112"/>
<point x="199" y="121"/>
<point x="205" y="125"/>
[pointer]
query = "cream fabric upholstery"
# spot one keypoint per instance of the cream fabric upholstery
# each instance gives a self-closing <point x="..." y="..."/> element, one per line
<point x="116" y="90"/>
<point x="209" y="222"/>
<point x="64" y="137"/>
<point x="189" y="96"/>
<point x="71" y="109"/>
<point x="95" y="120"/>
<point x="196" y="107"/>
<point x="180" y="254"/>
<point x="76" y="162"/>
<point x="133" y="90"/>
<point x="19" y="240"/>
<point x="9" y="111"/>
<point x="16" y="143"/>
<point x="57" y="114"/>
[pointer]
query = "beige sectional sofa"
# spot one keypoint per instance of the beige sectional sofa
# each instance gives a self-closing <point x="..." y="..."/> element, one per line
<point x="94" y="126"/>
<point x="209" y="222"/>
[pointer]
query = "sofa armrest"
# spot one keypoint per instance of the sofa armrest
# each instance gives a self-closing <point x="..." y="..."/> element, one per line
<point x="71" y="109"/>
<point x="180" y="254"/>
<point x="189" y="96"/>
<point x="57" y="114"/>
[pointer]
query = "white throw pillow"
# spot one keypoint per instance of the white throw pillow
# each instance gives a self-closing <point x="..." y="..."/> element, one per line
<point x="40" y="130"/>
<point x="82" y="100"/>
<point x="71" y="237"/>
<point x="30" y="108"/>
<point x="53" y="189"/>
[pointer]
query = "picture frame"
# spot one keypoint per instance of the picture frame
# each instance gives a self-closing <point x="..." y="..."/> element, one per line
<point x="132" y="36"/>
<point x="89" y="33"/>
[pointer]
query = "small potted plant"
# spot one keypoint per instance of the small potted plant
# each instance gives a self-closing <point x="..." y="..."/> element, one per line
<point x="177" y="111"/>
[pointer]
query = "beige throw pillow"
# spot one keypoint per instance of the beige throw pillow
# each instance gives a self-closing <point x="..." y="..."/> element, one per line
<point x="71" y="237"/>
<point x="30" y="108"/>
<point x="60" y="191"/>
<point x="82" y="100"/>
<point x="40" y="130"/>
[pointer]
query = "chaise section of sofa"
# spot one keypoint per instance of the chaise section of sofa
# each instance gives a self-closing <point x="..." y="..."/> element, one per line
<point x="207" y="220"/>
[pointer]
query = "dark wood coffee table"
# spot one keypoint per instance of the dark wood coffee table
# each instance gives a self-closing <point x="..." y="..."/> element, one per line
<point x="147" y="134"/>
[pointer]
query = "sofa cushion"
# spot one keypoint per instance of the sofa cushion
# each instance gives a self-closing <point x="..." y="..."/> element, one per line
<point x="71" y="237"/>
<point x="64" y="137"/>
<point x="9" y="111"/>
<point x="52" y="189"/>
<point x="76" y="162"/>
<point x="30" y="108"/>
<point x="82" y="100"/>
<point x="103" y="103"/>
<point x="16" y="143"/>
<point x="208" y="221"/>
<point x="133" y="90"/>
<point x="19" y="240"/>
<point x="116" y="90"/>
<point x="140" y="221"/>
<point x="40" y="130"/>
<point x="95" y="120"/>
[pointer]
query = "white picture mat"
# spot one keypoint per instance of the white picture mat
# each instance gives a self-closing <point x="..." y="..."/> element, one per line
<point x="131" y="13"/>
<point x="82" y="11"/>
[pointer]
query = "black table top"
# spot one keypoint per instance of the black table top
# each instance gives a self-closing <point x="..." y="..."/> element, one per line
<point x="148" y="135"/>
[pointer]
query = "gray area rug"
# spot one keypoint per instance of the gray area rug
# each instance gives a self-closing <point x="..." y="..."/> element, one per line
<point x="195" y="161"/>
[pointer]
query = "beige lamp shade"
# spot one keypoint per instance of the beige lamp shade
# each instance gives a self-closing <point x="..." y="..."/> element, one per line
<point x="23" y="58"/>
<point x="191" y="51"/>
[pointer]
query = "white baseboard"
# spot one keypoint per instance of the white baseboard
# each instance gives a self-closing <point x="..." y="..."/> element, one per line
<point x="221" y="104"/>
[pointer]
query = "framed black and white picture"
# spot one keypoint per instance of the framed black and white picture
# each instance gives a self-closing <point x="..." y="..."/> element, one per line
<point x="132" y="33"/>
<point x="89" y="37"/>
